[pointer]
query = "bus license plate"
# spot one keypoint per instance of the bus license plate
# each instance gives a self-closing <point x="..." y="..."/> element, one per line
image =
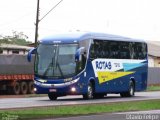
<point x="52" y="90"/>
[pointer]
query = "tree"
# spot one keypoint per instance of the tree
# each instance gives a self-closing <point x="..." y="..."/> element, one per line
<point x="18" y="38"/>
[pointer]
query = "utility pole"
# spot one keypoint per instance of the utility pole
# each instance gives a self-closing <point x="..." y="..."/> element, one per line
<point x="37" y="22"/>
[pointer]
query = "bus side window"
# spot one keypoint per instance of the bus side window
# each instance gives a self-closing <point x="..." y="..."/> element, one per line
<point x="92" y="51"/>
<point x="135" y="54"/>
<point x="111" y="49"/>
<point x="106" y="49"/>
<point x="144" y="51"/>
<point x="128" y="50"/>
<point x="124" y="50"/>
<point x="131" y="50"/>
<point x="114" y="52"/>
<point x="96" y="49"/>
<point x="103" y="49"/>
<point x="140" y="51"/>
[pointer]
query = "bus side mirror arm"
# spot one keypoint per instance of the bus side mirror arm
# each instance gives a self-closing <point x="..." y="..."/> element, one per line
<point x="78" y="54"/>
<point x="29" y="56"/>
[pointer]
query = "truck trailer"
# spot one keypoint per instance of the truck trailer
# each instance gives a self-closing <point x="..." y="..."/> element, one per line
<point x="16" y="73"/>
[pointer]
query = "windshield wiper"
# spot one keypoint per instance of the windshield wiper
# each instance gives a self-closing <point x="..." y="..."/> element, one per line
<point x="50" y="64"/>
<point x="60" y="70"/>
<point x="57" y="63"/>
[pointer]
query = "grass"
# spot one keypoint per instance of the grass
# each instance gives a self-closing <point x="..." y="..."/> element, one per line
<point x="153" y="88"/>
<point x="63" y="111"/>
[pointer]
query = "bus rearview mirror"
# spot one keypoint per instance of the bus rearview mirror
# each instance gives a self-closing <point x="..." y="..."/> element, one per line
<point x="78" y="54"/>
<point x="29" y="56"/>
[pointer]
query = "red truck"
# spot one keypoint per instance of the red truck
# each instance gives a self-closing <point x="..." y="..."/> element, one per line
<point x="16" y="74"/>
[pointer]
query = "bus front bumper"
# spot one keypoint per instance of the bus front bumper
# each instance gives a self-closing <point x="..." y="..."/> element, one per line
<point x="66" y="88"/>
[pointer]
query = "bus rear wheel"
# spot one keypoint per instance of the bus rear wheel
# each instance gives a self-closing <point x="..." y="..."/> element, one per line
<point x="52" y="96"/>
<point x="130" y="92"/>
<point x="89" y="94"/>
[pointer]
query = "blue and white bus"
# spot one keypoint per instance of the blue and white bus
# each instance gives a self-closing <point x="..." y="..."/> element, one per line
<point x="89" y="64"/>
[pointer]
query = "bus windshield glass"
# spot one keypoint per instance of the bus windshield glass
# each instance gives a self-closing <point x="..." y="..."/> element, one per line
<point x="56" y="60"/>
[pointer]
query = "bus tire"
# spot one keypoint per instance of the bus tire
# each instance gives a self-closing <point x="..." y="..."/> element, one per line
<point x="24" y="88"/>
<point x="15" y="89"/>
<point x="90" y="92"/>
<point x="123" y="94"/>
<point x="99" y="95"/>
<point x="130" y="92"/>
<point x="52" y="96"/>
<point x="31" y="87"/>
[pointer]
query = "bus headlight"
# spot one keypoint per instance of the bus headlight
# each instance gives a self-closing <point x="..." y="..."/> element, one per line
<point x="73" y="89"/>
<point x="35" y="89"/>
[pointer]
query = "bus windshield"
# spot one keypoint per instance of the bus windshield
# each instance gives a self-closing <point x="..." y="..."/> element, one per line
<point x="56" y="60"/>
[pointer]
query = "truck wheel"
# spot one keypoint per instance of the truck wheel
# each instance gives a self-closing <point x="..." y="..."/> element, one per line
<point x="16" y="88"/>
<point x="24" y="88"/>
<point x="89" y="94"/>
<point x="52" y="96"/>
<point x="31" y="87"/>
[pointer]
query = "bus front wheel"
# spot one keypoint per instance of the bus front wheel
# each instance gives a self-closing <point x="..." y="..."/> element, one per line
<point x="52" y="96"/>
<point x="89" y="94"/>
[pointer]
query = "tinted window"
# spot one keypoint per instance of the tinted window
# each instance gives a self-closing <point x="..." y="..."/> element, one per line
<point x="124" y="49"/>
<point x="118" y="49"/>
<point x="140" y="50"/>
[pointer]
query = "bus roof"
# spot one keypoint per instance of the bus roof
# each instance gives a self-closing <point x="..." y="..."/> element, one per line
<point x="79" y="36"/>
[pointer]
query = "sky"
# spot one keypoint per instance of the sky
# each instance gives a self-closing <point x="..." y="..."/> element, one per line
<point x="131" y="18"/>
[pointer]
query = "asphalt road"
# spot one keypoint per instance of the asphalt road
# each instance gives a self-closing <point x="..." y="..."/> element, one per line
<point x="7" y="103"/>
<point x="139" y="115"/>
